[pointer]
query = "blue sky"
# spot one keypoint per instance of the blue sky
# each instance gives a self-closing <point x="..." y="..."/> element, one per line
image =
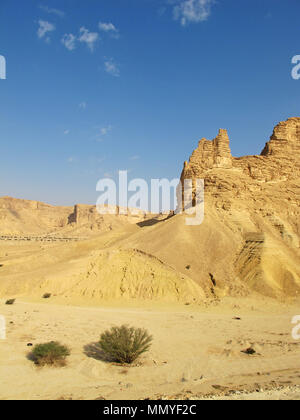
<point x="98" y="86"/>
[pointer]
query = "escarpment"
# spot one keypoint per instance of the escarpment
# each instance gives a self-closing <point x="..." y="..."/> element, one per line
<point x="256" y="197"/>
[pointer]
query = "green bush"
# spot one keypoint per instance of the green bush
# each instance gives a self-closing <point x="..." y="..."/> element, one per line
<point x="52" y="353"/>
<point x="125" y="344"/>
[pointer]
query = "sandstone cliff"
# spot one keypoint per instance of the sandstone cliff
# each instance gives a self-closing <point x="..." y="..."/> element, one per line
<point x="258" y="198"/>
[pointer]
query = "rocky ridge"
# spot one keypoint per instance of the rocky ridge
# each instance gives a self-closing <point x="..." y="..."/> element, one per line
<point x="259" y="198"/>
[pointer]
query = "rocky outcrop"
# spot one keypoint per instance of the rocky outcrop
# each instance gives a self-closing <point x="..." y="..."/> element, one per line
<point x="210" y="154"/>
<point x="278" y="160"/>
<point x="276" y="167"/>
<point x="285" y="140"/>
<point x="256" y="195"/>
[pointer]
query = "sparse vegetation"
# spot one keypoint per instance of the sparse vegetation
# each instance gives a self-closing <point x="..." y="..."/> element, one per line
<point x="125" y="344"/>
<point x="10" y="302"/>
<point x="249" y="351"/>
<point x="52" y="353"/>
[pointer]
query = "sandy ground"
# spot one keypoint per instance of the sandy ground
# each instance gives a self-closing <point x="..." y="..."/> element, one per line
<point x="196" y="351"/>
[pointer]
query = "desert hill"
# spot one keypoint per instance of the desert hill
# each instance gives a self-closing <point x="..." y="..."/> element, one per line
<point x="24" y="217"/>
<point x="248" y="242"/>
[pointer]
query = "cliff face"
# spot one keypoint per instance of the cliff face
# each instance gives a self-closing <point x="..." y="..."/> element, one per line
<point x="278" y="160"/>
<point x="285" y="141"/>
<point x="258" y="197"/>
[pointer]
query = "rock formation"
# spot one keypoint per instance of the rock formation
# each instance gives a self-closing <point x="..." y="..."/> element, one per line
<point x="211" y="154"/>
<point x="21" y="217"/>
<point x="259" y="196"/>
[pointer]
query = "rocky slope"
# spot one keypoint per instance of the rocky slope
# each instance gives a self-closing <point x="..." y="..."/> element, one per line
<point x="258" y="199"/>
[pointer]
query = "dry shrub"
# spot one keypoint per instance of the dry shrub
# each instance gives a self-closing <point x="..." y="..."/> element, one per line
<point x="53" y="354"/>
<point x="125" y="344"/>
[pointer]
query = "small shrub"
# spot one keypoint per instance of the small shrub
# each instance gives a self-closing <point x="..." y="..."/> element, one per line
<point x="52" y="353"/>
<point x="249" y="351"/>
<point x="10" y="302"/>
<point x="125" y="344"/>
<point x="47" y="296"/>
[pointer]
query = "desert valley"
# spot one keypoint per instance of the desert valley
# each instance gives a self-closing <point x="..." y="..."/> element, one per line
<point x="218" y="298"/>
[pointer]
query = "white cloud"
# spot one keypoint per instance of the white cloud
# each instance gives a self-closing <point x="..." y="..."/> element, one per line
<point x="89" y="38"/>
<point x="66" y="132"/>
<point x="111" y="67"/>
<point x="69" y="41"/>
<point x="72" y="159"/>
<point x="106" y="27"/>
<point x="56" y="12"/>
<point x="105" y="130"/>
<point x="83" y="105"/>
<point x="136" y="157"/>
<point x="109" y="28"/>
<point x="193" y="11"/>
<point x="85" y="36"/>
<point x="44" y="28"/>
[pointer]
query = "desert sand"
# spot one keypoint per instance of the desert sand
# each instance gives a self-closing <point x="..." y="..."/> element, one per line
<point x="197" y="351"/>
<point x="206" y="293"/>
